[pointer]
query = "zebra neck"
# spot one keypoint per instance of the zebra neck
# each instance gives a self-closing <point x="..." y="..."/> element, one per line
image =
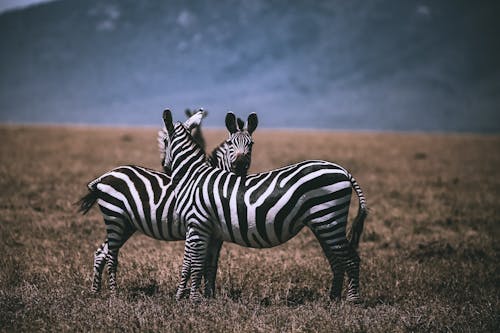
<point x="187" y="164"/>
<point x="215" y="159"/>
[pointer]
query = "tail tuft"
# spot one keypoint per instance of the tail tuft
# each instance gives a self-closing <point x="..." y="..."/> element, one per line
<point x="358" y="223"/>
<point x="86" y="202"/>
<point x="357" y="227"/>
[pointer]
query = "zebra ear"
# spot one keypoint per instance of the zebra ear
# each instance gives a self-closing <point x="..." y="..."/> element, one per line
<point x="241" y="124"/>
<point x="231" y="122"/>
<point x="188" y="112"/>
<point x="167" y="120"/>
<point x="252" y="122"/>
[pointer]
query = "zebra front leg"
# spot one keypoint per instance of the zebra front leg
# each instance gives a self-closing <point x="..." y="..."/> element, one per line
<point x="212" y="262"/>
<point x="99" y="262"/>
<point x="196" y="248"/>
<point x="182" y="291"/>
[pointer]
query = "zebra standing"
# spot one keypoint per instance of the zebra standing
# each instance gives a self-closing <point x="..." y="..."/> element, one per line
<point x="261" y="210"/>
<point x="133" y="198"/>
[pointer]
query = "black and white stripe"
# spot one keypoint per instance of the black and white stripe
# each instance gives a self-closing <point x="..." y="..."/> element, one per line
<point x="133" y="198"/>
<point x="262" y="210"/>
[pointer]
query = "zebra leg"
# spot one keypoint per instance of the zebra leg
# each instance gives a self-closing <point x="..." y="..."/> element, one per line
<point x="338" y="275"/>
<point x="352" y="261"/>
<point x="341" y="255"/>
<point x="112" y="263"/>
<point x="182" y="290"/>
<point x="337" y="268"/>
<point x="99" y="262"/>
<point x="212" y="262"/>
<point x="338" y="279"/>
<point x="196" y="248"/>
<point x="119" y="231"/>
<point x="347" y="259"/>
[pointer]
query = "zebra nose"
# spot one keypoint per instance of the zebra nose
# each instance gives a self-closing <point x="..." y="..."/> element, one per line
<point x="241" y="158"/>
<point x="241" y="164"/>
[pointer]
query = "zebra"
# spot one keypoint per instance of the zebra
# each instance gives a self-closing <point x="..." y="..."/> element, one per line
<point x="261" y="210"/>
<point x="133" y="198"/>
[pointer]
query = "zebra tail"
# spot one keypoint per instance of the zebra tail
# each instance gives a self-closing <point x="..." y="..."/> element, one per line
<point x="88" y="200"/>
<point x="359" y="221"/>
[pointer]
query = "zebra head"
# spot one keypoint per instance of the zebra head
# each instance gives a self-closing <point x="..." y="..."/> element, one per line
<point x="165" y="134"/>
<point x="196" y="131"/>
<point x="239" y="144"/>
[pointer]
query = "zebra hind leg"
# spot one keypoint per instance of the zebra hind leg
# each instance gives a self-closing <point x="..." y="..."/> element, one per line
<point x="338" y="280"/>
<point x="99" y="263"/>
<point x="352" y="267"/>
<point x="119" y="231"/>
<point x="342" y="257"/>
<point x="112" y="264"/>
<point x="336" y="266"/>
<point x="347" y="259"/>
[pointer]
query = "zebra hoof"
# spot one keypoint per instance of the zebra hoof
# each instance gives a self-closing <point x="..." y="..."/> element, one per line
<point x="354" y="299"/>
<point x="196" y="297"/>
<point x="181" y="294"/>
<point x="209" y="293"/>
<point x="96" y="287"/>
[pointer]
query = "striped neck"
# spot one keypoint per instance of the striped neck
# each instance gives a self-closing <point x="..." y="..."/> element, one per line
<point x="187" y="156"/>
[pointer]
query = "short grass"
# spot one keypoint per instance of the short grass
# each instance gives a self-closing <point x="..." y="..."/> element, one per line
<point x="430" y="251"/>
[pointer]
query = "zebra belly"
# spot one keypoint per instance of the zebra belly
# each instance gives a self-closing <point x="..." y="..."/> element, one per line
<point x="166" y="228"/>
<point x="255" y="239"/>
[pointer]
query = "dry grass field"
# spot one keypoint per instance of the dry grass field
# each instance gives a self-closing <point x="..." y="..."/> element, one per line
<point x="430" y="251"/>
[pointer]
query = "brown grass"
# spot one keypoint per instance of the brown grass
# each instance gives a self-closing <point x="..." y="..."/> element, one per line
<point x="430" y="257"/>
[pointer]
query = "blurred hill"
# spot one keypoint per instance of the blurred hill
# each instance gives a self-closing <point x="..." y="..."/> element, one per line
<point x="385" y="65"/>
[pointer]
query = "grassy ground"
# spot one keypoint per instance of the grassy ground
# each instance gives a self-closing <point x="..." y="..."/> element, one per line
<point x="430" y="252"/>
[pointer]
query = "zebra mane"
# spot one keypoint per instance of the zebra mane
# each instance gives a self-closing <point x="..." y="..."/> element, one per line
<point x="212" y="157"/>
